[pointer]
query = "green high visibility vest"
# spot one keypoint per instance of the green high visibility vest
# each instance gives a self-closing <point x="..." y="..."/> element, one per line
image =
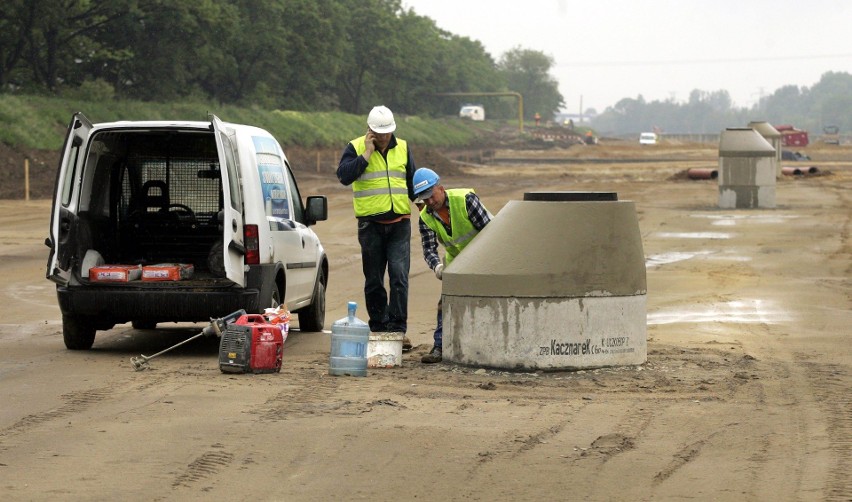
<point x="382" y="186"/>
<point x="463" y="229"/>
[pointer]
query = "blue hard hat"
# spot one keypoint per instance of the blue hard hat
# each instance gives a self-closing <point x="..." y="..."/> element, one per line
<point x="424" y="181"/>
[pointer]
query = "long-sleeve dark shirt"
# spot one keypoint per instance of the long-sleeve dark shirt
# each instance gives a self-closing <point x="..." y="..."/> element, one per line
<point x="477" y="213"/>
<point x="352" y="166"/>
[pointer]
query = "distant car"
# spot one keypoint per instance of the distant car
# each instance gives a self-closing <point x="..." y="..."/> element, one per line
<point x="472" y="112"/>
<point x="648" y="138"/>
<point x="832" y="135"/>
<point x="795" y="156"/>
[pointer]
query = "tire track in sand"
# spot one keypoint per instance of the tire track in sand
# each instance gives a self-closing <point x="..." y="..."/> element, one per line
<point x="830" y="387"/>
<point x="75" y="402"/>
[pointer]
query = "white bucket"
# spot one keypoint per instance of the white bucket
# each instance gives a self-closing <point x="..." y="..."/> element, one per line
<point x="384" y="350"/>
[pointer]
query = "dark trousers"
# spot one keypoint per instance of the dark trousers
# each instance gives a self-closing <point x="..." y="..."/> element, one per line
<point x="439" y="329"/>
<point x="386" y="247"/>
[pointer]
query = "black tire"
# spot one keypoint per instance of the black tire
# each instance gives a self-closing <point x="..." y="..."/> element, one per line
<point x="77" y="332"/>
<point x="312" y="317"/>
<point x="144" y="324"/>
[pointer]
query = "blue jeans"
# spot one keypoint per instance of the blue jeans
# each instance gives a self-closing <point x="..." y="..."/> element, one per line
<point x="386" y="247"/>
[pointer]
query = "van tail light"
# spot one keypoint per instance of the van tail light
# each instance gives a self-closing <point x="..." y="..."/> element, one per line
<point x="252" y="244"/>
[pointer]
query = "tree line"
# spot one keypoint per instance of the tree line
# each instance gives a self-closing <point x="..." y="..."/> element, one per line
<point x="303" y="55"/>
<point x="826" y="103"/>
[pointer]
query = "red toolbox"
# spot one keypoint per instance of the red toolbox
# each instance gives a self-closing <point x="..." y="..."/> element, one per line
<point x="251" y="345"/>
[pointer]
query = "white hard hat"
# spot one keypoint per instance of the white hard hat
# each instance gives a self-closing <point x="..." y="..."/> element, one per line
<point x="381" y="120"/>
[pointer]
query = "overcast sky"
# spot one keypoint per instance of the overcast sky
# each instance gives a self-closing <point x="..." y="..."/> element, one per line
<point x="606" y="50"/>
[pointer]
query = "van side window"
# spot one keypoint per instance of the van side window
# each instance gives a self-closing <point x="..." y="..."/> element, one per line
<point x="233" y="174"/>
<point x="298" y="208"/>
<point x="273" y="183"/>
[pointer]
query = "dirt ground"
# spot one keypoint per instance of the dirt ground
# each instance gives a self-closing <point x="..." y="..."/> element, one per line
<point x="745" y="394"/>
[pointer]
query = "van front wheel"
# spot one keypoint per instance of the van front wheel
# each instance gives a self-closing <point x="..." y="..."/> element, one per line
<point x="312" y="317"/>
<point x="77" y="332"/>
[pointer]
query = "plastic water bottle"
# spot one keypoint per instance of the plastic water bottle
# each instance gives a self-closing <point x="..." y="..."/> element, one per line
<point x="349" y="339"/>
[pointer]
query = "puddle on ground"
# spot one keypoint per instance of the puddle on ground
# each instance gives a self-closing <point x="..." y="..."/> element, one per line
<point x="695" y="235"/>
<point x="657" y="260"/>
<point x="730" y="220"/>
<point x="740" y="311"/>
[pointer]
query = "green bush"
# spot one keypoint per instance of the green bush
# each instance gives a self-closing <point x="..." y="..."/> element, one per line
<point x="40" y="122"/>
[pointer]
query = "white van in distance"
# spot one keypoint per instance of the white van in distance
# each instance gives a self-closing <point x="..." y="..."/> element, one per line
<point x="648" y="138"/>
<point x="210" y="210"/>
<point x="472" y="112"/>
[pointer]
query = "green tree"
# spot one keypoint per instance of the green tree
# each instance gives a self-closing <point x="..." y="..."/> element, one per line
<point x="169" y="42"/>
<point x="463" y="65"/>
<point x="832" y="101"/>
<point x="59" y="37"/>
<point x="313" y="53"/>
<point x="371" y="54"/>
<point x="528" y="72"/>
<point x="431" y="61"/>
<point x="15" y="21"/>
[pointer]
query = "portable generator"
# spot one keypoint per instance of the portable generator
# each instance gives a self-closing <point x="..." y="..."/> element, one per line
<point x="251" y="345"/>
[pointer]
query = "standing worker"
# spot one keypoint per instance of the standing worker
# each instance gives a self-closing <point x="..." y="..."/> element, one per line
<point x="380" y="169"/>
<point x="452" y="218"/>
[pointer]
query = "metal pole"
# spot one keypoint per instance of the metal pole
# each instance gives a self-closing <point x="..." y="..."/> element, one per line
<point x="27" y="180"/>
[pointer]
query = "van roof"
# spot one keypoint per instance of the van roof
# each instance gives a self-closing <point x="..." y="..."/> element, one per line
<point x="175" y="124"/>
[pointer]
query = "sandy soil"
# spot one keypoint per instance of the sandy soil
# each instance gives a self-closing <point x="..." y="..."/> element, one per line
<point x="745" y="394"/>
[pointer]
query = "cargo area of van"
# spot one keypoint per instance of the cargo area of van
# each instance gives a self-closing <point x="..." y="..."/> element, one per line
<point x="157" y="198"/>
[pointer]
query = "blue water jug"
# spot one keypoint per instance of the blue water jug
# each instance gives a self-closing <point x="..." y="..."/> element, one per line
<point x="349" y="339"/>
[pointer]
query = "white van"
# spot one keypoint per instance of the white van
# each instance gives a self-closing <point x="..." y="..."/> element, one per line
<point x="213" y="204"/>
<point x="648" y="138"/>
<point x="472" y="112"/>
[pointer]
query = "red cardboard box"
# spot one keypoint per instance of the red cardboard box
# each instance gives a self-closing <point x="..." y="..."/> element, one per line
<point x="167" y="272"/>
<point x="115" y="273"/>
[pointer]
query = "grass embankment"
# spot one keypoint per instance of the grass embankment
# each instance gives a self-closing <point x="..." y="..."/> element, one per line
<point x="39" y="122"/>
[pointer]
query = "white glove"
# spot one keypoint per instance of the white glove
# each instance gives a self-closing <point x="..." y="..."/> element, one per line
<point x="439" y="271"/>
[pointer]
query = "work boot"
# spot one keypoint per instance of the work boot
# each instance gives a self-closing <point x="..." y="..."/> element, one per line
<point x="432" y="357"/>
<point x="406" y="344"/>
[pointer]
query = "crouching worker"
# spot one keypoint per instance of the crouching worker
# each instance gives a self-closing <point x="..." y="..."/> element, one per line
<point x="451" y="217"/>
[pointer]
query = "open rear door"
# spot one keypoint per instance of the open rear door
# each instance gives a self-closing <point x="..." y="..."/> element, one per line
<point x="234" y="248"/>
<point x="63" y="219"/>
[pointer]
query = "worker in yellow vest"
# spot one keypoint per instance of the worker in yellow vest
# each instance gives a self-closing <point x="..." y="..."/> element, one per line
<point x="379" y="167"/>
<point x="452" y="218"/>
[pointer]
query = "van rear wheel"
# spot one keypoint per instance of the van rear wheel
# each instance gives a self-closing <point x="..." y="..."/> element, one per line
<point x="78" y="332"/>
<point x="312" y="317"/>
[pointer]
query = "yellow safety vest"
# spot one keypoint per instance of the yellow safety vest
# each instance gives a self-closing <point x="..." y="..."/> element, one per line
<point x="463" y="229"/>
<point x="382" y="187"/>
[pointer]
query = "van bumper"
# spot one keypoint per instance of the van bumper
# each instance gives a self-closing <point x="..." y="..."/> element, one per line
<point x="120" y="305"/>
